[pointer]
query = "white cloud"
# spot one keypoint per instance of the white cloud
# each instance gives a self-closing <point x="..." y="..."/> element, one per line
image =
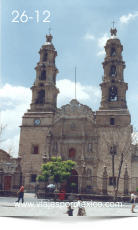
<point x="101" y="53"/>
<point x="89" y="37"/>
<point x="101" y="43"/>
<point x="127" y="18"/>
<point x="83" y="93"/>
<point x="12" y="143"/>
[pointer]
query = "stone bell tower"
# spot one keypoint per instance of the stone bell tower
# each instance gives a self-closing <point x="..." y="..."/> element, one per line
<point x="38" y="120"/>
<point x="44" y="91"/>
<point x="113" y="102"/>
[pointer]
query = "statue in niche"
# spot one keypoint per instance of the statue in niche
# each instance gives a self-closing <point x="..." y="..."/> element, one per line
<point x="89" y="172"/>
<point x="73" y="126"/>
<point x="55" y="147"/>
<point x="89" y="146"/>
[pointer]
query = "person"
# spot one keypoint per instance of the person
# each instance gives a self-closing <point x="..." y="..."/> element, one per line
<point x="133" y="197"/>
<point x="69" y="211"/>
<point x="21" y="194"/>
<point x="81" y="210"/>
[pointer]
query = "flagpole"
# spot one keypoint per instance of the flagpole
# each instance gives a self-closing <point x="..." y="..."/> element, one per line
<point x="75" y="82"/>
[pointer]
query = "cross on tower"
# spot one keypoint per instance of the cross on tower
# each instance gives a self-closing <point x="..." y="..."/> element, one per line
<point x="113" y="23"/>
<point x="49" y="30"/>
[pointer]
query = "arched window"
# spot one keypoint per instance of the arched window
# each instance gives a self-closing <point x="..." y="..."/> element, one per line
<point x="45" y="57"/>
<point x="112" y="52"/>
<point x="43" y="75"/>
<point x="72" y="152"/>
<point x="113" y="94"/>
<point x="41" y="97"/>
<point x="113" y="71"/>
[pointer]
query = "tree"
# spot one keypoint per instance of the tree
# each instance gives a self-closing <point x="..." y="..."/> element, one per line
<point x="73" y="185"/>
<point x="2" y="129"/>
<point x="118" y="144"/>
<point x="57" y="170"/>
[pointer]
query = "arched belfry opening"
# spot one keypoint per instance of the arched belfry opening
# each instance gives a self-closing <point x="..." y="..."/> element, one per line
<point x="113" y="93"/>
<point x="41" y="96"/>
<point x="43" y="75"/>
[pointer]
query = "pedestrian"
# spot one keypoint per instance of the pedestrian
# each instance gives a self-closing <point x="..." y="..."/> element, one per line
<point x="69" y="211"/>
<point x="81" y="210"/>
<point x="133" y="197"/>
<point x="21" y="194"/>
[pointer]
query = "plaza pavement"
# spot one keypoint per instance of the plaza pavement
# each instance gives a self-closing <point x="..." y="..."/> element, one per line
<point x="49" y="208"/>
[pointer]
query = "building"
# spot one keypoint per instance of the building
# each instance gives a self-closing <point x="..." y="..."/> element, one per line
<point x="95" y="140"/>
<point x="10" y="174"/>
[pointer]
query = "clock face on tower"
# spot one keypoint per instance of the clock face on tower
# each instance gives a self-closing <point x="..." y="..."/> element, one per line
<point x="37" y="121"/>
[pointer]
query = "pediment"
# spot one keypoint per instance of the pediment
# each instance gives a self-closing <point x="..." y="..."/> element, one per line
<point x="73" y="110"/>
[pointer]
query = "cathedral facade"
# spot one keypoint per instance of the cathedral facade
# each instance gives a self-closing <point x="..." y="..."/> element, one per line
<point x="99" y="142"/>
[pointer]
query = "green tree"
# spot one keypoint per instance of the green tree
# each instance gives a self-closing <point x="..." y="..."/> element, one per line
<point x="57" y="170"/>
<point x="72" y="185"/>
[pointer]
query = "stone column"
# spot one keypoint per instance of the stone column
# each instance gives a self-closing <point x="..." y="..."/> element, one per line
<point x="83" y="187"/>
<point x="104" y="186"/>
<point x="126" y="181"/>
<point x="49" y="137"/>
<point x="94" y="178"/>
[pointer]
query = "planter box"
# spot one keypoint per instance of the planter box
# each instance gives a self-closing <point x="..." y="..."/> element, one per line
<point x="71" y="198"/>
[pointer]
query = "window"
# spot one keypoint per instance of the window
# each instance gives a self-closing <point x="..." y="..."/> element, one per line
<point x="33" y="177"/>
<point x="113" y="71"/>
<point x="113" y="150"/>
<point x="113" y="94"/>
<point x="41" y="96"/>
<point x="111" y="180"/>
<point x="43" y="75"/>
<point x="113" y="52"/>
<point x="89" y="187"/>
<point x="72" y="152"/>
<point x="45" y="57"/>
<point x="112" y="121"/>
<point x="35" y="150"/>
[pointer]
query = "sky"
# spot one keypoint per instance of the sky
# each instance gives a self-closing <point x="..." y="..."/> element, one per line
<point x="80" y="30"/>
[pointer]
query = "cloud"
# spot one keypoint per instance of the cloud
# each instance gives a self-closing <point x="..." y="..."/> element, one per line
<point x="84" y="94"/>
<point x="89" y="37"/>
<point x="101" y="44"/>
<point x="11" y="144"/>
<point x="126" y="18"/>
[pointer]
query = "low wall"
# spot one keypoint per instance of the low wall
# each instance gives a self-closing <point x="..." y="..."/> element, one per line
<point x="93" y="197"/>
<point x="5" y="193"/>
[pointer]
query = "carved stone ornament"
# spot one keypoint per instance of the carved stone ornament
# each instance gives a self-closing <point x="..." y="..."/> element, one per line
<point x="74" y="109"/>
<point x="73" y="126"/>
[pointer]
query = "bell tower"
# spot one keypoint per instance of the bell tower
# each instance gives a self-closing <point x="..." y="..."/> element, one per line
<point x="44" y="91"/>
<point x="113" y="108"/>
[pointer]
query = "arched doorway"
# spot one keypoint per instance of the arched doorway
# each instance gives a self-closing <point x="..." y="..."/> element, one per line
<point x="72" y="179"/>
<point x="7" y="183"/>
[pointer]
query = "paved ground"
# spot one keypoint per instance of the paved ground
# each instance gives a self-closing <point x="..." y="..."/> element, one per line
<point x="53" y="209"/>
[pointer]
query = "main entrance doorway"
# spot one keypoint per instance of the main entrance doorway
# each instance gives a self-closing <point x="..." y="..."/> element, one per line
<point x="7" y="183"/>
<point x="72" y="179"/>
